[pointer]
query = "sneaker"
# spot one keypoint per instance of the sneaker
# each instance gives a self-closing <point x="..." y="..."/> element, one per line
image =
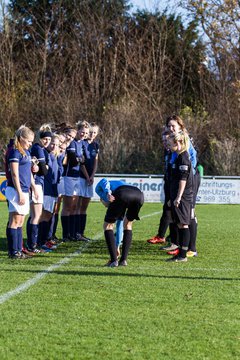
<point x="123" y="263"/>
<point x="173" y="252"/>
<point x="192" y="253"/>
<point x="177" y="258"/>
<point x="169" y="247"/>
<point x="113" y="264"/>
<point x="156" y="240"/>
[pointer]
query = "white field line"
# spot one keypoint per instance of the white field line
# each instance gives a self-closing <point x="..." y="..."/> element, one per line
<point x="8" y="295"/>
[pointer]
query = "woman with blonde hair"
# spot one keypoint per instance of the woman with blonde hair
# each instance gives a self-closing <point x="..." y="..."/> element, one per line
<point x="175" y="124"/>
<point x="17" y="191"/>
<point x="87" y="172"/>
<point x="181" y="192"/>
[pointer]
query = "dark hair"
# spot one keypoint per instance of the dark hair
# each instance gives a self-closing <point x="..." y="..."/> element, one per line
<point x="177" y="119"/>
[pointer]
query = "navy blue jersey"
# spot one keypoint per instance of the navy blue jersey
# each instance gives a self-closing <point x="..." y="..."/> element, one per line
<point x="90" y="152"/>
<point x="74" y="149"/>
<point x="52" y="177"/>
<point x="182" y="170"/>
<point x="60" y="164"/>
<point x="43" y="157"/>
<point x="24" y="168"/>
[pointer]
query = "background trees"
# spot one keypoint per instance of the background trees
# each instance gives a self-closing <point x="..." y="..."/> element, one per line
<point x="66" y="60"/>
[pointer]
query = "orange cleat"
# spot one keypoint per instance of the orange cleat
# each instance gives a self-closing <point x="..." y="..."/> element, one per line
<point x="156" y="240"/>
<point x="173" y="252"/>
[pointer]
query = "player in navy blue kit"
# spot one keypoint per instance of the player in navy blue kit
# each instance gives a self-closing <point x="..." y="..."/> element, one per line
<point x="39" y="152"/>
<point x="87" y="173"/>
<point x="60" y="188"/>
<point x="121" y="200"/>
<point x="17" y="191"/>
<point x="181" y="192"/>
<point x="50" y="192"/>
<point x="75" y="157"/>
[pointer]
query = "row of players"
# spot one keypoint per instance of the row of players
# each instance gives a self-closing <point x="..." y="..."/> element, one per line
<point x="74" y="168"/>
<point x="57" y="163"/>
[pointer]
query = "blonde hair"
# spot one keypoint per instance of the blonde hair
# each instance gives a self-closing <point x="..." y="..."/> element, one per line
<point x="22" y="132"/>
<point x="82" y="124"/>
<point x="56" y="136"/>
<point x="183" y="138"/>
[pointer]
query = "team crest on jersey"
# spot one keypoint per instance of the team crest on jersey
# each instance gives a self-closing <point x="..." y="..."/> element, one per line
<point x="183" y="167"/>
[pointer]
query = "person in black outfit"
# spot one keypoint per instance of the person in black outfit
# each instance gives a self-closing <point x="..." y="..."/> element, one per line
<point x="181" y="192"/>
<point x="122" y="201"/>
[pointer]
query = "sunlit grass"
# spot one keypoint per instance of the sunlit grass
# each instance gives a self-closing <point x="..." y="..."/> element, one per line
<point x="149" y="310"/>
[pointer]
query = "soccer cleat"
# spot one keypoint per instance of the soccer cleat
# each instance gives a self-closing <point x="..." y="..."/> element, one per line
<point x="19" y="255"/>
<point x="71" y="238"/>
<point x="177" y="258"/>
<point x="156" y="240"/>
<point x="80" y="237"/>
<point x="27" y="251"/>
<point x="123" y="263"/>
<point x="112" y="264"/>
<point x="192" y="253"/>
<point x="173" y="252"/>
<point x="46" y="249"/>
<point x="52" y="242"/>
<point x="50" y="245"/>
<point x="169" y="247"/>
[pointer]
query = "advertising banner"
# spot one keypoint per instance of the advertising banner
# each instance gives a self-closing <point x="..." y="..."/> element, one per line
<point x="211" y="191"/>
<point x="3" y="184"/>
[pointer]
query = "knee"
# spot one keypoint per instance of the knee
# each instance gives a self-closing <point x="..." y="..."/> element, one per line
<point x="108" y="226"/>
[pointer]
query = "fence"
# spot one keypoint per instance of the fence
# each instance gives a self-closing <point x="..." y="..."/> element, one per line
<point x="213" y="189"/>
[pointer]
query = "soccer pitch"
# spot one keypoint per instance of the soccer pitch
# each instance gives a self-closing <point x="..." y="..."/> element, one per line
<point x="67" y="305"/>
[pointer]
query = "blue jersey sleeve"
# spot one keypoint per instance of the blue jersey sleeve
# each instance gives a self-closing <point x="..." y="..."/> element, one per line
<point x="14" y="156"/>
<point x="103" y="188"/>
<point x="38" y="152"/>
<point x="193" y="156"/>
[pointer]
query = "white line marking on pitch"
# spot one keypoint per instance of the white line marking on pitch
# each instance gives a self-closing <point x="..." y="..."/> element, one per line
<point x="8" y="295"/>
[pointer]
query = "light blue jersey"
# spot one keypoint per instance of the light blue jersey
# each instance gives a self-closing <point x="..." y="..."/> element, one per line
<point x="105" y="187"/>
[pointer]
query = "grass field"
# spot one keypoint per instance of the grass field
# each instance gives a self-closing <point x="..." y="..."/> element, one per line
<point x="67" y="305"/>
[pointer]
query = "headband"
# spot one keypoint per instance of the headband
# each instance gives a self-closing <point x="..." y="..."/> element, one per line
<point x="44" y="134"/>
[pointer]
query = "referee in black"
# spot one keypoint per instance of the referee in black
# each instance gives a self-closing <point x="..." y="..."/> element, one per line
<point x="122" y="201"/>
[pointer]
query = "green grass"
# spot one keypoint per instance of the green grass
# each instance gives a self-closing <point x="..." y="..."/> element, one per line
<point x="149" y="310"/>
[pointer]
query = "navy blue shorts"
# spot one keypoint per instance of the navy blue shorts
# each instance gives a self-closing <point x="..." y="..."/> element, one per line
<point x="128" y="201"/>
